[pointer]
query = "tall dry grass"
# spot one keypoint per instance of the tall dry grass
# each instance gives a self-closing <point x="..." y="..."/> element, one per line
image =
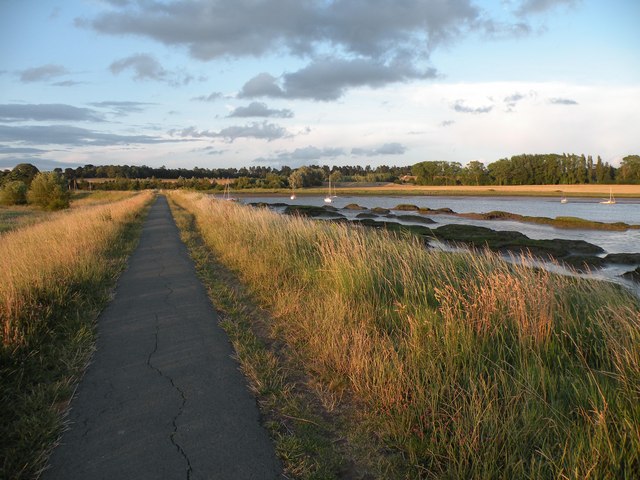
<point x="470" y="366"/>
<point x="38" y="264"/>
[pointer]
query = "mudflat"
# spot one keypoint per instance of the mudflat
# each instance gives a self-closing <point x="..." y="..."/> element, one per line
<point x="162" y="397"/>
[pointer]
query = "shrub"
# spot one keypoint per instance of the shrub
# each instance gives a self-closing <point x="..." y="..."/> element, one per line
<point x="13" y="193"/>
<point x="49" y="191"/>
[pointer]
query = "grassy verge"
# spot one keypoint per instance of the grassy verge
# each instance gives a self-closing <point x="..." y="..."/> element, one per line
<point x="464" y="366"/>
<point x="54" y="278"/>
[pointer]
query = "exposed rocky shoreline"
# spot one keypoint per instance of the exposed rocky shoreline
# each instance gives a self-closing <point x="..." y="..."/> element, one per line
<point x="578" y="254"/>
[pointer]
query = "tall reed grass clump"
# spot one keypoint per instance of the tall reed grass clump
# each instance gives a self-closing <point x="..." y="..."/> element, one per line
<point x="54" y="277"/>
<point x="469" y="366"/>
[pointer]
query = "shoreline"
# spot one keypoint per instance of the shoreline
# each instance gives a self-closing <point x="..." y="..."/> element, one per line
<point x="390" y="189"/>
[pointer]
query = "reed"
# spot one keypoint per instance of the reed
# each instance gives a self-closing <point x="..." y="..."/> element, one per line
<point x="469" y="366"/>
<point x="54" y="277"/>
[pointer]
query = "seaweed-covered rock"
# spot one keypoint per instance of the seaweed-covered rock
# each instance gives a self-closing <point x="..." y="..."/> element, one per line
<point x="633" y="275"/>
<point x="406" y="207"/>
<point x="415" y="218"/>
<point x="584" y="262"/>
<point x="313" y="211"/>
<point x="623" y="258"/>
<point x="380" y="210"/>
<point x="366" y="215"/>
<point x="353" y="206"/>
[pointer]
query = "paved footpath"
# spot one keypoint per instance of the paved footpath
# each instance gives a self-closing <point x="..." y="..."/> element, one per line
<point x="162" y="398"/>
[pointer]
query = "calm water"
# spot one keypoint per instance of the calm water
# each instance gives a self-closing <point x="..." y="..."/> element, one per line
<point x="626" y="210"/>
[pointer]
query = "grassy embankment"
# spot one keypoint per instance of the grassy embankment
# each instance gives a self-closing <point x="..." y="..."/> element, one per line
<point x="463" y="366"/>
<point x="55" y="276"/>
<point x="19" y="216"/>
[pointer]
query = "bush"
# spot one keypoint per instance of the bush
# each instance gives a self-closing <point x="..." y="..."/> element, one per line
<point x="49" y="191"/>
<point x="13" y="193"/>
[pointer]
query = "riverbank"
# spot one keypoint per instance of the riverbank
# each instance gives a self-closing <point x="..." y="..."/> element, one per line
<point x="356" y="189"/>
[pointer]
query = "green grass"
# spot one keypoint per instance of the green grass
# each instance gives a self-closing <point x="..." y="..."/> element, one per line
<point x="463" y="366"/>
<point x="52" y="289"/>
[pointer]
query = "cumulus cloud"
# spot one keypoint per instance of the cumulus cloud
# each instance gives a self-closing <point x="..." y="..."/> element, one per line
<point x="328" y="79"/>
<point x="69" y="135"/>
<point x="393" y="148"/>
<point x="461" y="107"/>
<point x="259" y="109"/>
<point x="447" y="123"/>
<point x="47" y="112"/>
<point x="562" y="101"/>
<point x="146" y="67"/>
<point x="260" y="130"/>
<point x="349" y="43"/>
<point x="43" y="73"/>
<point x="255" y="27"/>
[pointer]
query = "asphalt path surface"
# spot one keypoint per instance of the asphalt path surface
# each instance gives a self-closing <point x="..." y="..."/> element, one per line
<point x="163" y="397"/>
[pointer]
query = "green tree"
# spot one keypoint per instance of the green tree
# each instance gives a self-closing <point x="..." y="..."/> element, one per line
<point x="475" y="173"/>
<point x="24" y="172"/>
<point x="13" y="193"/>
<point x="629" y="171"/>
<point x="49" y="191"/>
<point x="306" y="177"/>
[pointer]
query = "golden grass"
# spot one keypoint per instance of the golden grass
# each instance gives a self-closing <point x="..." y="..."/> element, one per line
<point x="50" y="254"/>
<point x="468" y="365"/>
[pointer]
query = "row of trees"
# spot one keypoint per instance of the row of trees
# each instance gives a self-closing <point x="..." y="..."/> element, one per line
<point x="517" y="170"/>
<point x="349" y="172"/>
<point x="25" y="184"/>
<point x="550" y="169"/>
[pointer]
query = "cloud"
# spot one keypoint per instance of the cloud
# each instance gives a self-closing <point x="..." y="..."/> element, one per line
<point x="328" y="79"/>
<point x="4" y="150"/>
<point x="447" y="123"/>
<point x="461" y="107"/>
<point x="67" y="83"/>
<point x="259" y="109"/>
<point x="68" y="135"/>
<point x="43" y="73"/>
<point x="349" y="43"/>
<point x="301" y="156"/>
<point x="540" y="6"/>
<point x="386" y="149"/>
<point x="236" y="28"/>
<point x="260" y="130"/>
<point x="122" y="107"/>
<point x="562" y="101"/>
<point x="146" y="67"/>
<point x="47" y="112"/>
<point x="512" y="100"/>
<point x="212" y="97"/>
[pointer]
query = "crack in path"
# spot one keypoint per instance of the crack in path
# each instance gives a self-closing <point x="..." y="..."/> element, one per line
<point x="182" y="397"/>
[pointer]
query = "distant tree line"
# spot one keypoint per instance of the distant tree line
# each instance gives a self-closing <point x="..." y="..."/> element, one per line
<point x="518" y="170"/>
<point x="549" y="169"/>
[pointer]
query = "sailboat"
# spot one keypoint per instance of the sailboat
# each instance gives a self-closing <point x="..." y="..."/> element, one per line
<point x="327" y="199"/>
<point x="227" y="194"/>
<point x="611" y="199"/>
<point x="563" y="199"/>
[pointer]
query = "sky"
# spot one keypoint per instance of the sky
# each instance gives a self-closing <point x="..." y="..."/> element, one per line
<point x="237" y="83"/>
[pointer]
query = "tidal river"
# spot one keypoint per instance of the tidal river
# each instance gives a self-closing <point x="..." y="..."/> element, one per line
<point x="625" y="210"/>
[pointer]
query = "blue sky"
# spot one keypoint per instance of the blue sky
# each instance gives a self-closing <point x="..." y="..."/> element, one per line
<point x="233" y="83"/>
